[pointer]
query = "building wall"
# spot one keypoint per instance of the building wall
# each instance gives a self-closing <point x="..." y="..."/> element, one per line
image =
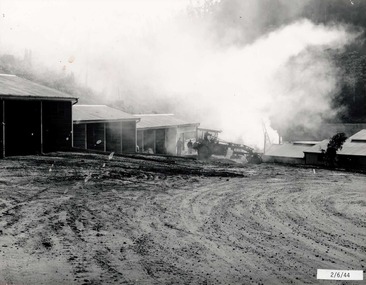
<point x="314" y="159"/>
<point x="2" y="146"/>
<point x="95" y="136"/>
<point x="352" y="161"/>
<point x="129" y="137"/>
<point x="79" y="133"/>
<point x="140" y="142"/>
<point x="114" y="137"/>
<point x="171" y="140"/>
<point x="119" y="137"/>
<point x="149" y="140"/>
<point x="163" y="140"/>
<point x="34" y="126"/>
<point x="280" y="159"/>
<point x="160" y="141"/>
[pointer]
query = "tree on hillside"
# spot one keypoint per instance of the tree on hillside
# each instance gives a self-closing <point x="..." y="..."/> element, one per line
<point x="62" y="81"/>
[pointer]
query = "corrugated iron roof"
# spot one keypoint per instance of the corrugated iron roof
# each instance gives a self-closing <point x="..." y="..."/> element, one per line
<point x="318" y="147"/>
<point x="88" y="113"/>
<point x="360" y="136"/>
<point x="287" y="150"/>
<point x="161" y="121"/>
<point x="351" y="148"/>
<point x="11" y="85"/>
<point x="306" y="142"/>
<point x="348" y="148"/>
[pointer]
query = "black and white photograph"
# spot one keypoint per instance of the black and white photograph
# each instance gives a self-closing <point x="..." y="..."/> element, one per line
<point x="182" y="142"/>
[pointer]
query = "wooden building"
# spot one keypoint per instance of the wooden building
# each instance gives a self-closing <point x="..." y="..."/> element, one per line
<point x="99" y="127"/>
<point x="35" y="118"/>
<point x="291" y="153"/>
<point x="352" y="154"/>
<point x="159" y="133"/>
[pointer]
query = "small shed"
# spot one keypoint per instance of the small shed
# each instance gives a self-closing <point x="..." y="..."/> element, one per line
<point x="314" y="155"/>
<point x="35" y="118"/>
<point x="352" y="154"/>
<point x="99" y="127"/>
<point x="159" y="133"/>
<point x="292" y="152"/>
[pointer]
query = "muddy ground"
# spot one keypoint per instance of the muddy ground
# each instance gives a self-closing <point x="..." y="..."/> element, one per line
<point x="88" y="219"/>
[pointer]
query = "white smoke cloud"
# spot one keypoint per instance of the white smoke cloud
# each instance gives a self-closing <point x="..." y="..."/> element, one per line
<point x="283" y="74"/>
<point x="143" y="53"/>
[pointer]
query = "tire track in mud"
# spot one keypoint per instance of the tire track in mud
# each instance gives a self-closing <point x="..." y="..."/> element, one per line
<point x="275" y="225"/>
<point x="280" y="234"/>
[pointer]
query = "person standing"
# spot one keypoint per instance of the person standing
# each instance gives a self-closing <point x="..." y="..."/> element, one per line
<point x="179" y="146"/>
<point x="190" y="146"/>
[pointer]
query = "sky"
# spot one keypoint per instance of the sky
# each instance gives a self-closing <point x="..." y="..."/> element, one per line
<point x="205" y="69"/>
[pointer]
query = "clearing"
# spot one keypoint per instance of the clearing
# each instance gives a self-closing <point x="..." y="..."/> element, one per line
<point x="73" y="218"/>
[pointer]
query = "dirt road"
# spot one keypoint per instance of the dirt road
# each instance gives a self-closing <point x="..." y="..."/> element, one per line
<point x="85" y="219"/>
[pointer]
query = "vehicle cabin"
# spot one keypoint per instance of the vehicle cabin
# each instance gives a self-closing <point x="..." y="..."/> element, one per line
<point x="102" y="128"/>
<point x="201" y="131"/>
<point x="35" y="118"/>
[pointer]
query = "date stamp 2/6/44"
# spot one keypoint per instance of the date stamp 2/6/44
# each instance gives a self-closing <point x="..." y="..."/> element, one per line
<point x="330" y="274"/>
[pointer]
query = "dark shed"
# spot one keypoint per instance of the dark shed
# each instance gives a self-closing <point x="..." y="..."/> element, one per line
<point x="35" y="118"/>
<point x="99" y="127"/>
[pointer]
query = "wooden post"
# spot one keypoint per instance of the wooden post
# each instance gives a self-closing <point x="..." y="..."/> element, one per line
<point x="135" y="137"/>
<point x="104" y="138"/>
<point x="142" y="141"/>
<point x="41" y="111"/>
<point x="86" y="136"/>
<point x="72" y="128"/>
<point x="3" y="126"/>
<point x="121" y="137"/>
<point x="154" y="141"/>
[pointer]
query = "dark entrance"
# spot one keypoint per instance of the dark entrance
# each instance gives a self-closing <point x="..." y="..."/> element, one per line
<point x="129" y="137"/>
<point x="113" y="137"/>
<point x="57" y="125"/>
<point x="160" y="141"/>
<point x="95" y="136"/>
<point x="149" y="140"/>
<point x="2" y="129"/>
<point x="22" y="127"/>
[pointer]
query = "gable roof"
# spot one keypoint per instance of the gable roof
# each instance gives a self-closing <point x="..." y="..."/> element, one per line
<point x="14" y="86"/>
<point x="288" y="150"/>
<point x="349" y="147"/>
<point x="318" y="147"/>
<point x="360" y="136"/>
<point x="161" y="121"/>
<point x="99" y="113"/>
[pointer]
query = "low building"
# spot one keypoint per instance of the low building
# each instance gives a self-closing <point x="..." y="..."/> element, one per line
<point x="102" y="128"/>
<point x="292" y="153"/>
<point x="35" y="118"/>
<point x="159" y="133"/>
<point x="314" y="155"/>
<point x="352" y="154"/>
